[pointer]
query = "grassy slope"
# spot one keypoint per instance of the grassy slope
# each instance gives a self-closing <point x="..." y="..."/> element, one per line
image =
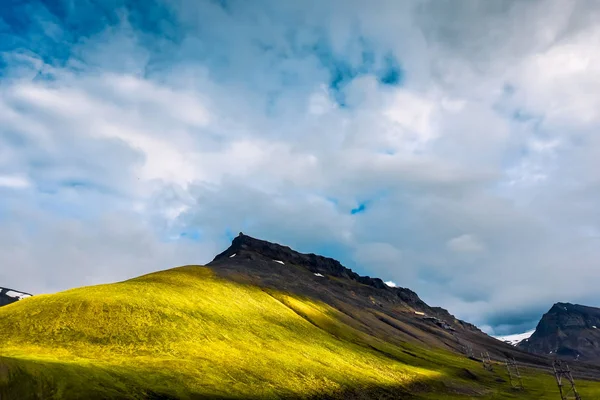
<point x="185" y="333"/>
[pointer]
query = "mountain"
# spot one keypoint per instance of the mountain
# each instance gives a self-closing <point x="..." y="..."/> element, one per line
<point x="260" y="321"/>
<point x="8" y="296"/>
<point x="568" y="331"/>
<point x="515" y="339"/>
<point x="394" y="313"/>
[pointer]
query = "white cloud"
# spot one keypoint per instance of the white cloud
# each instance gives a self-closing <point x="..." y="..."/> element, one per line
<point x="320" y="102"/>
<point x="465" y="244"/>
<point x="562" y="82"/>
<point x="414" y="115"/>
<point x="14" y="182"/>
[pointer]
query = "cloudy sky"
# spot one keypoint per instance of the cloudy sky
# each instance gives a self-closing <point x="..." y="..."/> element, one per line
<point x="449" y="146"/>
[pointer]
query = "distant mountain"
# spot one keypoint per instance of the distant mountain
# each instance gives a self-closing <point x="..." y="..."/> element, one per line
<point x="515" y="339"/>
<point x="567" y="331"/>
<point x="8" y="296"/>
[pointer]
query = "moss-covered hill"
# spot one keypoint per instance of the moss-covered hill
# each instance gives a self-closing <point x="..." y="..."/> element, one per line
<point x="185" y="333"/>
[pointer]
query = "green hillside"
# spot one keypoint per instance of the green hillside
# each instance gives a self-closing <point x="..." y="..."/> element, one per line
<point x="184" y="333"/>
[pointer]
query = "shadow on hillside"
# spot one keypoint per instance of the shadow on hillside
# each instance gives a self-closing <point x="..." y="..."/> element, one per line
<point x="17" y="383"/>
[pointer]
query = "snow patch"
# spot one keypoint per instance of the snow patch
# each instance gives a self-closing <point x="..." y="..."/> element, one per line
<point x="318" y="274"/>
<point x="517" y="338"/>
<point x="233" y="255"/>
<point x="18" y="295"/>
<point x="279" y="261"/>
<point x="594" y="326"/>
<point x="390" y="283"/>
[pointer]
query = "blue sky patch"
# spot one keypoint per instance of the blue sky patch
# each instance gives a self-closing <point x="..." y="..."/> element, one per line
<point x="360" y="209"/>
<point x="391" y="73"/>
<point x="191" y="235"/>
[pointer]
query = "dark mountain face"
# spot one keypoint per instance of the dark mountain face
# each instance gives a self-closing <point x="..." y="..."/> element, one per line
<point x="394" y="314"/>
<point x="568" y="331"/>
<point x="249" y="247"/>
<point x="8" y="296"/>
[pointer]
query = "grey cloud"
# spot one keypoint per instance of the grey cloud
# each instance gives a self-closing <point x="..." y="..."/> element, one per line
<point x="61" y="253"/>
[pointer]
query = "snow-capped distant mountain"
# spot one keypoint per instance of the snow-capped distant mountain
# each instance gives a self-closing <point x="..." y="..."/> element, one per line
<point x="8" y="296"/>
<point x="516" y="338"/>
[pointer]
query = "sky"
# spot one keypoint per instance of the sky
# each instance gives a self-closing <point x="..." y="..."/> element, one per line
<point x="451" y="147"/>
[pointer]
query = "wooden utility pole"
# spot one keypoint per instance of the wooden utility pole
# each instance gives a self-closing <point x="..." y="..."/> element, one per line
<point x="487" y="362"/>
<point x="468" y="350"/>
<point x="561" y="370"/>
<point x="513" y="373"/>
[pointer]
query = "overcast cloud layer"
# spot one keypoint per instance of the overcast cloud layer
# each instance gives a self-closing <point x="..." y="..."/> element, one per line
<point x="448" y="146"/>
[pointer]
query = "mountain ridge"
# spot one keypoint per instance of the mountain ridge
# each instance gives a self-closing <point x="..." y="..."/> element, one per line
<point x="315" y="263"/>
<point x="247" y="247"/>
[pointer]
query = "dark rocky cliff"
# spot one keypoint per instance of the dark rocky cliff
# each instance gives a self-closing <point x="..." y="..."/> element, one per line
<point x="244" y="246"/>
<point x="567" y="331"/>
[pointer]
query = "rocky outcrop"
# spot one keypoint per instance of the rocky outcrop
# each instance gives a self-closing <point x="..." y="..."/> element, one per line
<point x="244" y="245"/>
<point x="8" y="296"/>
<point x="567" y="331"/>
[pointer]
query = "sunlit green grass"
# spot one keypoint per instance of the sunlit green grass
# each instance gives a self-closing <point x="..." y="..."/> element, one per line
<point x="186" y="334"/>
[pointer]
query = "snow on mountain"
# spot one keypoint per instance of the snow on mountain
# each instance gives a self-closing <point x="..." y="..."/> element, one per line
<point x="18" y="295"/>
<point x="516" y="338"/>
<point x="8" y="296"/>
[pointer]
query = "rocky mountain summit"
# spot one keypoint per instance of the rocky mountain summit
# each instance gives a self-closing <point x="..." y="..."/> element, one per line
<point x="567" y="331"/>
<point x="244" y="246"/>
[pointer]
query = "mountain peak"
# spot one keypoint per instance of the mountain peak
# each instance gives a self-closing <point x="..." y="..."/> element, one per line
<point x="567" y="330"/>
<point x="561" y="307"/>
<point x="247" y="247"/>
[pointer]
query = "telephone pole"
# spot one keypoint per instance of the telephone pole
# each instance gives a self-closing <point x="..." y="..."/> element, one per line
<point x="513" y="374"/>
<point x="468" y="350"/>
<point x="561" y="370"/>
<point x="487" y="362"/>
